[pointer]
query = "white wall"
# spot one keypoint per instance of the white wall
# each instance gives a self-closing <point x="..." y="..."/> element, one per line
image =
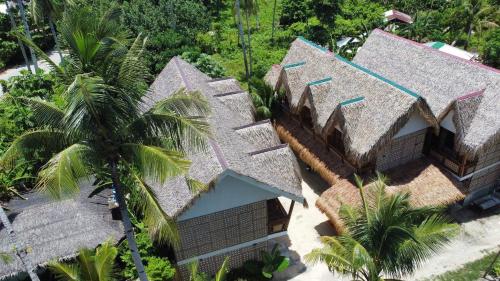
<point x="414" y="124"/>
<point x="447" y="122"/>
<point x="229" y="192"/>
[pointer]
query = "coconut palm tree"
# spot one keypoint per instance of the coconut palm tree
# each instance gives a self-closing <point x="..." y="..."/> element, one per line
<point x="478" y="14"/>
<point x="264" y="99"/>
<point x="274" y="21"/>
<point x="90" y="265"/>
<point x="20" y="249"/>
<point x="108" y="128"/>
<point x="50" y="10"/>
<point x="237" y="9"/>
<point x="384" y="236"/>
<point x="27" y="32"/>
<point x="19" y="42"/>
<point x="250" y="7"/>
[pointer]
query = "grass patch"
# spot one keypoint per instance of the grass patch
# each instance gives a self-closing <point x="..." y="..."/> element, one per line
<point x="469" y="272"/>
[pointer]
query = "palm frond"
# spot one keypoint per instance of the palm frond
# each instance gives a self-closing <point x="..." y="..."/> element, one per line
<point x="41" y="54"/>
<point x="184" y="103"/>
<point x="104" y="261"/>
<point x="160" y="226"/>
<point x="133" y="72"/>
<point x="61" y="174"/>
<point x="26" y="144"/>
<point x="86" y="262"/>
<point x="183" y="132"/>
<point x="65" y="272"/>
<point x="45" y="113"/>
<point x="155" y="163"/>
<point x="222" y="273"/>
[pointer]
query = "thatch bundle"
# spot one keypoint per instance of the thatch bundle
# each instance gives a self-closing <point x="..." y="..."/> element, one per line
<point x="428" y="185"/>
<point x="307" y="156"/>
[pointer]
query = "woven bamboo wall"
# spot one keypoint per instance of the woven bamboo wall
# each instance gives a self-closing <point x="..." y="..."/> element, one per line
<point x="220" y="230"/>
<point x="488" y="177"/>
<point x="211" y="265"/>
<point x="401" y="150"/>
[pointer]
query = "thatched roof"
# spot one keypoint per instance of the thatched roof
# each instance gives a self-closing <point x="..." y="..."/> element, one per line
<point x="391" y="15"/>
<point x="428" y="185"/>
<point x="57" y="229"/>
<point x="314" y="77"/>
<point x="440" y="79"/>
<point x="237" y="144"/>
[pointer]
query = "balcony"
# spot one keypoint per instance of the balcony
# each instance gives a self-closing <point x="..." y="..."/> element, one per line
<point x="277" y="217"/>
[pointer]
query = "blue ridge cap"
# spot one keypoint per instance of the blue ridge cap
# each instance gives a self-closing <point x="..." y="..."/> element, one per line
<point x="292" y="65"/>
<point x="371" y="73"/>
<point x="312" y="44"/>
<point x="351" y="101"/>
<point x="321" y="81"/>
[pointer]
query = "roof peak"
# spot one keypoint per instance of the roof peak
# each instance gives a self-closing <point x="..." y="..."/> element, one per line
<point x="436" y="51"/>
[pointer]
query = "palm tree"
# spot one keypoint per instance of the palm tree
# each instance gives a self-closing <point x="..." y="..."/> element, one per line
<point x="19" y="42"/>
<point x="478" y="15"/>
<point x="106" y="127"/>
<point x="385" y="235"/>
<point x="20" y="6"/>
<point x="50" y="10"/>
<point x="250" y="7"/>
<point x="274" y="21"/>
<point x="264" y="99"/>
<point x="90" y="265"/>
<point x="20" y="249"/>
<point x="195" y="275"/>
<point x="422" y="26"/>
<point x="242" y="38"/>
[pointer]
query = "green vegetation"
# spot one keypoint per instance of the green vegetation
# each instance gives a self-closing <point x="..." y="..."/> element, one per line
<point x="471" y="271"/>
<point x="157" y="268"/>
<point x="384" y="236"/>
<point x="90" y="265"/>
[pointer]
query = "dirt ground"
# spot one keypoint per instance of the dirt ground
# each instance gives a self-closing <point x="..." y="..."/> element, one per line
<point x="477" y="237"/>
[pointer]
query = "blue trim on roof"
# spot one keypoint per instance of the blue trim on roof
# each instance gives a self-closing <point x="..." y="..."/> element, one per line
<point x="351" y="101"/>
<point x="369" y="72"/>
<point x="312" y="44"/>
<point x="318" y="82"/>
<point x="291" y="65"/>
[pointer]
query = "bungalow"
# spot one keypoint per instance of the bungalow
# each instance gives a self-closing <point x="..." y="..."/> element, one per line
<point x="246" y="169"/>
<point x="396" y="102"/>
<point x="51" y="230"/>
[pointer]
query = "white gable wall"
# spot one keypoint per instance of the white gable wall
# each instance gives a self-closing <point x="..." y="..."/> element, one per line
<point x="229" y="192"/>
<point x="414" y="124"/>
<point x="447" y="122"/>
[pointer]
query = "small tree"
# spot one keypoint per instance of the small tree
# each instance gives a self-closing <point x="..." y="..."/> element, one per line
<point x="385" y="235"/>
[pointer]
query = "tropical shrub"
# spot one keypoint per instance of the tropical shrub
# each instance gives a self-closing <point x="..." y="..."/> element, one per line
<point x="253" y="270"/>
<point x="294" y="11"/>
<point x="157" y="268"/>
<point x="205" y="63"/>
<point x="491" y="49"/>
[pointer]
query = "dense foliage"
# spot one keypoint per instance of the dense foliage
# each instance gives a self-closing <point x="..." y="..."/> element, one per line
<point x="15" y="119"/>
<point x="10" y="53"/>
<point x="157" y="268"/>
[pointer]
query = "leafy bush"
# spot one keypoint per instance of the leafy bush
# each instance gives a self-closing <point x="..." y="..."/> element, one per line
<point x="264" y="270"/>
<point x="294" y="11"/>
<point x="491" y="48"/>
<point x="205" y="63"/>
<point x="16" y="118"/>
<point x="157" y="268"/>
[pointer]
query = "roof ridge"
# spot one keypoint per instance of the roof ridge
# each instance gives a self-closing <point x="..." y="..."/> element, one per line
<point x="320" y="81"/>
<point x="280" y="146"/>
<point x="352" y="101"/>
<point x="230" y="93"/>
<point x="312" y="44"/>
<point x="378" y="76"/>
<point x="292" y="65"/>
<point x="252" y="124"/>
<point x="402" y="39"/>
<point x="471" y="95"/>
<point x="220" y="79"/>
